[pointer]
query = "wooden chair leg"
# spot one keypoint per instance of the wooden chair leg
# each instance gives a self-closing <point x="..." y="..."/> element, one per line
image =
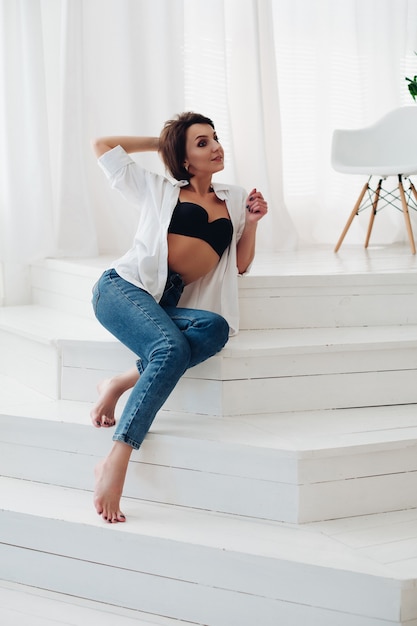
<point x="373" y="212"/>
<point x="351" y="217"/>
<point x="413" y="189"/>
<point x="406" y="215"/>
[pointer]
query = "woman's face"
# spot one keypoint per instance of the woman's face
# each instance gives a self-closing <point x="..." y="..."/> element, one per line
<point x="204" y="154"/>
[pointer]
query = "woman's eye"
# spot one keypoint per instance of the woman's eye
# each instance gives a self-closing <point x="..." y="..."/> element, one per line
<point x="201" y="144"/>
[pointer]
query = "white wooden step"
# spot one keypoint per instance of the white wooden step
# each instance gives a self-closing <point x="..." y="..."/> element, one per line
<point x="33" y="341"/>
<point x="303" y="369"/>
<point x="281" y="290"/>
<point x="293" y="467"/>
<point x="65" y="284"/>
<point x="273" y="371"/>
<point x="202" y="567"/>
<point x="21" y="605"/>
<point x="263" y="371"/>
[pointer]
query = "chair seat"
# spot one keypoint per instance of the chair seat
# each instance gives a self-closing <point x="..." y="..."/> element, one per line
<point x="381" y="169"/>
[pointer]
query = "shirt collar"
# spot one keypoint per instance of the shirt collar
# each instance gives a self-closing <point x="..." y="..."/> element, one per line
<point x="216" y="186"/>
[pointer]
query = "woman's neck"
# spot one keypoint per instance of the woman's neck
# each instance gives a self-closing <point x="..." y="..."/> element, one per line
<point x="200" y="187"/>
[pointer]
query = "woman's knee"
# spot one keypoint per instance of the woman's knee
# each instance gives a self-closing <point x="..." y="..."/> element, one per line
<point x="220" y="330"/>
<point x="212" y="335"/>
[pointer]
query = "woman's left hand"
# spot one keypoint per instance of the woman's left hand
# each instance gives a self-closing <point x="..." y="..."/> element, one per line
<point x="256" y="206"/>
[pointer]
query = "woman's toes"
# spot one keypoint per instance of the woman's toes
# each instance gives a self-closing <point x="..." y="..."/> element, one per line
<point x="96" y="421"/>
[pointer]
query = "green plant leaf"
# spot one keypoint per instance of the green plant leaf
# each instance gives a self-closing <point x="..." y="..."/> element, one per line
<point x="412" y="84"/>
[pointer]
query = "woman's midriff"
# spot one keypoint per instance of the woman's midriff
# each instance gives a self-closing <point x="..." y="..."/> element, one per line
<point x="190" y="257"/>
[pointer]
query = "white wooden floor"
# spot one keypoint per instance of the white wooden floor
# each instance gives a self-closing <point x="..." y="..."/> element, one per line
<point x="321" y="260"/>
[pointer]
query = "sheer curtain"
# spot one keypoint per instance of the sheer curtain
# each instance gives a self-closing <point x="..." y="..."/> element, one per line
<point x="25" y="183"/>
<point x="276" y="76"/>
<point x="340" y="65"/>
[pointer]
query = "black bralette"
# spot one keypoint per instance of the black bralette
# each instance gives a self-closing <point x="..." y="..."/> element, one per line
<point x="191" y="220"/>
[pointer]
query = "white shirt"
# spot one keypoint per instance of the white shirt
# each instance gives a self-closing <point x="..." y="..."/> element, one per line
<point x="146" y="263"/>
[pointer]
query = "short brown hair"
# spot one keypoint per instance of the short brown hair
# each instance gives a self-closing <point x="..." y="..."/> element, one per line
<point x="172" y="142"/>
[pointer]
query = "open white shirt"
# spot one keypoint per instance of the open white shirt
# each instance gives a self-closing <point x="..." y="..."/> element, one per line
<point x="146" y="263"/>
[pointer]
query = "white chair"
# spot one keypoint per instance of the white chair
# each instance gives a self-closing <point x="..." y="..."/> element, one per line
<point x="387" y="148"/>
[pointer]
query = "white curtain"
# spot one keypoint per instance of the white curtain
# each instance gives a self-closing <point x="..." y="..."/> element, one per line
<point x="276" y="76"/>
<point x="26" y="229"/>
<point x="341" y="64"/>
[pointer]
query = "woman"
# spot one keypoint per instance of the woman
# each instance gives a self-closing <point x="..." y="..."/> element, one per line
<point x="193" y="238"/>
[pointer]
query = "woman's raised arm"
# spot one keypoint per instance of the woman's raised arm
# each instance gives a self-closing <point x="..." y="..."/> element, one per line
<point x="129" y="144"/>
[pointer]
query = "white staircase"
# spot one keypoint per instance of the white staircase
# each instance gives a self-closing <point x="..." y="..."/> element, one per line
<point x="278" y="485"/>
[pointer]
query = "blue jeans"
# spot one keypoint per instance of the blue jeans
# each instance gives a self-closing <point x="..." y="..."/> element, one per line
<point x="168" y="340"/>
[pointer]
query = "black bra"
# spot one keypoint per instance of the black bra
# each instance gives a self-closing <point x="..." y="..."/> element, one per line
<point x="191" y="220"/>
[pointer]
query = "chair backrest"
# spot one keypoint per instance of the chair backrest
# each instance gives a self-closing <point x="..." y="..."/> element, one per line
<point x="387" y="147"/>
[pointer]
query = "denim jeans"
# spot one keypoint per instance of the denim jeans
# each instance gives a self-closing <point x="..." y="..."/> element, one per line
<point x="167" y="339"/>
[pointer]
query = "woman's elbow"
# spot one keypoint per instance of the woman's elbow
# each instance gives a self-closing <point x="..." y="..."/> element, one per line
<point x="243" y="266"/>
<point x="100" y="146"/>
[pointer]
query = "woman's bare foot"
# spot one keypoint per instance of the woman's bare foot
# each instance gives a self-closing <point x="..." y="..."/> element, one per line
<point x="110" y="390"/>
<point x="110" y="476"/>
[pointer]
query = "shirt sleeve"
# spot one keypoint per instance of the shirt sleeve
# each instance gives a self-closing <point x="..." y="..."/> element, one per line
<point x="124" y="174"/>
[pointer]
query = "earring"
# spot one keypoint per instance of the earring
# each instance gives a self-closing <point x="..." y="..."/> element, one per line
<point x="186" y="166"/>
